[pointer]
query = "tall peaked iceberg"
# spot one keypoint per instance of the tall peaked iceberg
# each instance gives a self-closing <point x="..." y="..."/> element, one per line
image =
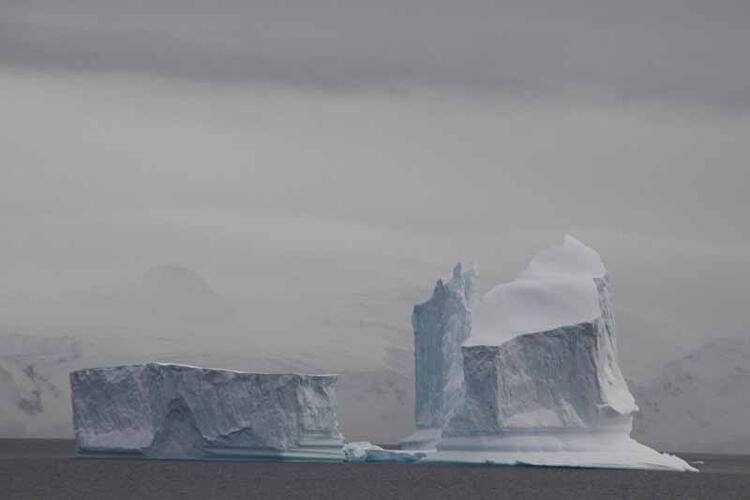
<point x="441" y="325"/>
<point x="160" y="410"/>
<point x="541" y="382"/>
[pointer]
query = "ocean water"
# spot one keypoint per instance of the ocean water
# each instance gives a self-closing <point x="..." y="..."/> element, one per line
<point x="49" y="469"/>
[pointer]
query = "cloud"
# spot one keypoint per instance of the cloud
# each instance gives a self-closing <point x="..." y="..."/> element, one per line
<point x="423" y="162"/>
<point x="307" y="186"/>
<point x="686" y="52"/>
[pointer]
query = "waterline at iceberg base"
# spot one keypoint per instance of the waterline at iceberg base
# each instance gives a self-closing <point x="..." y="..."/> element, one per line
<point x="565" y="449"/>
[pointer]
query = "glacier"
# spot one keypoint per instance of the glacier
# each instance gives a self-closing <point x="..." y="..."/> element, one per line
<point x="541" y="384"/>
<point x="159" y="410"/>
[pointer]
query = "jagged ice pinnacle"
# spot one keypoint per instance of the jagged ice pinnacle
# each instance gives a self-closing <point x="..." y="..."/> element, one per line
<point x="441" y="325"/>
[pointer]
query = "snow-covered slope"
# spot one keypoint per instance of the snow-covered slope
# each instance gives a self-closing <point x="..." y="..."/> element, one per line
<point x="34" y="397"/>
<point x="176" y="411"/>
<point x="556" y="289"/>
<point x="699" y="403"/>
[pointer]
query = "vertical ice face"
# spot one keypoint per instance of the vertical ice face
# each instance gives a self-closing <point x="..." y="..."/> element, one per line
<point x="563" y="378"/>
<point x="175" y="411"/>
<point x="441" y="325"/>
<point x="550" y="336"/>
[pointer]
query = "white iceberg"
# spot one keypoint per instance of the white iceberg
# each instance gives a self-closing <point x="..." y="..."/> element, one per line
<point x="176" y="411"/>
<point x="356" y="451"/>
<point x="364" y="451"/>
<point x="441" y="325"/>
<point x="542" y="385"/>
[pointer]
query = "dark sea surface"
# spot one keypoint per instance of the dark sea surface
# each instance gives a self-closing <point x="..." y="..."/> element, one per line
<point x="39" y="468"/>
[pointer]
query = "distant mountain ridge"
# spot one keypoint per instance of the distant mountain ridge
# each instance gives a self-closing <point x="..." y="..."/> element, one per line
<point x="171" y="294"/>
<point x="699" y="403"/>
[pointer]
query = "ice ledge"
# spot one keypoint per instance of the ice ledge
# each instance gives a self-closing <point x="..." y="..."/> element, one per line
<point x="364" y="451"/>
<point x="610" y="450"/>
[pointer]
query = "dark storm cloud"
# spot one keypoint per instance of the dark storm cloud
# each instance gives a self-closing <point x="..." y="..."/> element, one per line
<point x="687" y="51"/>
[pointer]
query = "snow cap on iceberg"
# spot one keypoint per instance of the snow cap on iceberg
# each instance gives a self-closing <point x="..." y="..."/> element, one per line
<point x="557" y="288"/>
<point x="570" y="257"/>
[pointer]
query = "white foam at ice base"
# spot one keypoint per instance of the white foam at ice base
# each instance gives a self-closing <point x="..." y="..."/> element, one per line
<point x="556" y="289"/>
<point x="563" y="449"/>
<point x="364" y="451"/>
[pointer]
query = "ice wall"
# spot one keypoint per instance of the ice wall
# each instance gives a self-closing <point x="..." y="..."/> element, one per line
<point x="547" y="336"/>
<point x="176" y="411"/>
<point x="441" y="325"/>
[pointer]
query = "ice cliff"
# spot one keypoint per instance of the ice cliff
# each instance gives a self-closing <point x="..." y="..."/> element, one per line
<point x="541" y="383"/>
<point x="176" y="411"/>
<point x="441" y="325"/>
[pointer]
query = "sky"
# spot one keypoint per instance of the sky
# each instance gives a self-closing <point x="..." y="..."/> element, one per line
<point x="333" y="155"/>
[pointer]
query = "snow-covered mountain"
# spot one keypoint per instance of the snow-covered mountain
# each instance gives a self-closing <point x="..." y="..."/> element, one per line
<point x="34" y="397"/>
<point x="169" y="295"/>
<point x="699" y="403"/>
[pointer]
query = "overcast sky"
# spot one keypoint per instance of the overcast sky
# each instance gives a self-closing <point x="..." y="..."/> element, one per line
<point x="689" y="51"/>
<point x="269" y="145"/>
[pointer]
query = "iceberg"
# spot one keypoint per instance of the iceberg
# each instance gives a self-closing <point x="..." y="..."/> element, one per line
<point x="441" y="325"/>
<point x="528" y="374"/>
<point x="541" y="384"/>
<point x="364" y="451"/>
<point x="158" y="410"/>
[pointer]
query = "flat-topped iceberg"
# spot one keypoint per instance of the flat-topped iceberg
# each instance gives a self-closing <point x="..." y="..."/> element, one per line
<point x="541" y="382"/>
<point x="175" y="411"/>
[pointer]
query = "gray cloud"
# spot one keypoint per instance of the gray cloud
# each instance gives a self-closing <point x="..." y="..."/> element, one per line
<point x="686" y="51"/>
<point x="317" y="199"/>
